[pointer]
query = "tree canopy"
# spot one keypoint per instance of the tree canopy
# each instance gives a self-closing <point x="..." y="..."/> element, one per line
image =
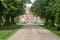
<point x="11" y="9"/>
<point x="48" y="10"/>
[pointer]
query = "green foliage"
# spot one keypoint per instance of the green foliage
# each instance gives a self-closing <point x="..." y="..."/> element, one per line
<point x="47" y="9"/>
<point x="26" y="1"/>
<point x="13" y="8"/>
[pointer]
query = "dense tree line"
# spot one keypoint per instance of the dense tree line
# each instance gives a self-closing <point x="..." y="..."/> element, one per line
<point x="48" y="10"/>
<point x="9" y="9"/>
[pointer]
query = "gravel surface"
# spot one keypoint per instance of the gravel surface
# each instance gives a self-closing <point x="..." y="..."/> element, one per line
<point x="31" y="32"/>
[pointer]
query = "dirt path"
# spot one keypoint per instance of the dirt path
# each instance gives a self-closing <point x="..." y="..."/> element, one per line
<point x="33" y="33"/>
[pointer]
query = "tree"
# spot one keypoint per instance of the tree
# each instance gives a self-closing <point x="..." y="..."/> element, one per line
<point x="1" y="11"/>
<point x="12" y="9"/>
<point x="46" y="9"/>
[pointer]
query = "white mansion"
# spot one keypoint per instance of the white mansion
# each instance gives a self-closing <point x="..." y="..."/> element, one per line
<point x="29" y="18"/>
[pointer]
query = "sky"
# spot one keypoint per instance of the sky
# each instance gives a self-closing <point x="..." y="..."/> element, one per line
<point x="29" y="5"/>
<point x="33" y="1"/>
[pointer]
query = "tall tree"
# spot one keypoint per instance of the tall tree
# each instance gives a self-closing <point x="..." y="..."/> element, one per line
<point x="46" y="9"/>
<point x="1" y="11"/>
<point x="13" y="8"/>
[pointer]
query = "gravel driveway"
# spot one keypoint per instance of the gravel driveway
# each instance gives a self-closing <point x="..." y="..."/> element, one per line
<point x="31" y="32"/>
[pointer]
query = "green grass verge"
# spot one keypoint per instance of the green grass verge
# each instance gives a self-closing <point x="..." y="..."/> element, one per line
<point x="56" y="32"/>
<point x="7" y="31"/>
<point x="52" y="29"/>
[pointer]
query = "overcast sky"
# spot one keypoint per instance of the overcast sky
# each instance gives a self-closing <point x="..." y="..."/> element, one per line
<point x="33" y="1"/>
<point x="29" y="5"/>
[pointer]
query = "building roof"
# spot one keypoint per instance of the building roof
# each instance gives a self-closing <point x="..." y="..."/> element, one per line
<point x="27" y="16"/>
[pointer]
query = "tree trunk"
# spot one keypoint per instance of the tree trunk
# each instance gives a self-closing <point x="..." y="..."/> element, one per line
<point x="47" y="21"/>
<point x="52" y="21"/>
<point x="12" y="20"/>
<point x="0" y="20"/>
<point x="58" y="22"/>
<point x="58" y="29"/>
<point x="7" y="20"/>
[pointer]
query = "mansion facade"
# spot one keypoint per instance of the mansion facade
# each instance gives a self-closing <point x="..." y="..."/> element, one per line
<point x="29" y="18"/>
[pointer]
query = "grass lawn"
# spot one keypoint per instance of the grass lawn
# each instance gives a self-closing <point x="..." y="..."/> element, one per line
<point x="7" y="31"/>
<point x="52" y="29"/>
<point x="56" y="32"/>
